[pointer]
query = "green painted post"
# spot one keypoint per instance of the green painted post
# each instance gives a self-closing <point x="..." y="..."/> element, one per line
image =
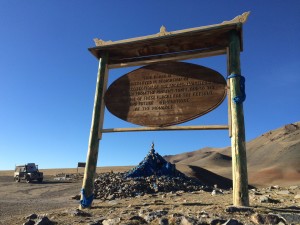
<point x="238" y="145"/>
<point x="92" y="155"/>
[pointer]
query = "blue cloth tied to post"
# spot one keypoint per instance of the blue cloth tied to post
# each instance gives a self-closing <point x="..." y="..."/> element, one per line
<point x="241" y="98"/>
<point x="86" y="201"/>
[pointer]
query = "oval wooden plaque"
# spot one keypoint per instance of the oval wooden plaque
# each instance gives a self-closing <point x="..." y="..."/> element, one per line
<point x="165" y="94"/>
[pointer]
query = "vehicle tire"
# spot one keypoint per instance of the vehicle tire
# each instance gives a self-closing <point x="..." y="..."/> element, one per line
<point x="40" y="180"/>
<point x="28" y="180"/>
<point x="17" y="179"/>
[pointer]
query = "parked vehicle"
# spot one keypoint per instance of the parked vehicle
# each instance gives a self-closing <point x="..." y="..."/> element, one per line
<point x="28" y="172"/>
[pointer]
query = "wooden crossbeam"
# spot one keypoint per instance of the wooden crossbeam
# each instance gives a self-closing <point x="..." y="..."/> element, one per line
<point x="170" y="128"/>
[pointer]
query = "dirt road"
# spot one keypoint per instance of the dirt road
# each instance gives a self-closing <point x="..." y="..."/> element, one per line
<point x="23" y="198"/>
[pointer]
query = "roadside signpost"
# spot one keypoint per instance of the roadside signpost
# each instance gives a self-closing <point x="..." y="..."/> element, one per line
<point x="166" y="92"/>
<point x="80" y="164"/>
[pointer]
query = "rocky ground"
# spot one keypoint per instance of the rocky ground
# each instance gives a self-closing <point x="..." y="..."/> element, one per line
<point x="19" y="199"/>
<point x="53" y="203"/>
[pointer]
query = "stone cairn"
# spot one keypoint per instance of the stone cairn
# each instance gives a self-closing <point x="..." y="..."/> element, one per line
<point x="154" y="174"/>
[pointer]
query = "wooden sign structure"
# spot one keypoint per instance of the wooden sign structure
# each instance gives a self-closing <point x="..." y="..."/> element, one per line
<point x="207" y="41"/>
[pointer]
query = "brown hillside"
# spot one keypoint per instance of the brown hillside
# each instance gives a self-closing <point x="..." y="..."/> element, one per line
<point x="273" y="158"/>
<point x="188" y="156"/>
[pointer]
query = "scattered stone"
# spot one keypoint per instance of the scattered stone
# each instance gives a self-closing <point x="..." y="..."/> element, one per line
<point x="34" y="219"/>
<point x="176" y="218"/>
<point x="111" y="221"/>
<point x="188" y="221"/>
<point x="139" y="219"/>
<point x="158" y="202"/>
<point x="256" y="193"/>
<point x="217" y="221"/>
<point x="267" y="219"/>
<point x="164" y="221"/>
<point x="97" y="221"/>
<point x="233" y="209"/>
<point x="284" y="192"/>
<point x="232" y="222"/>
<point x="179" y="193"/>
<point x="266" y="199"/>
<point x="274" y="219"/>
<point x="297" y="196"/>
<point x="293" y="187"/>
<point x="216" y="192"/>
<point x="203" y="214"/>
<point x="155" y="214"/>
<point x="32" y="216"/>
<point x="291" y="218"/>
<point x="142" y="212"/>
<point x="111" y="197"/>
<point x="275" y="187"/>
<point x="76" y="197"/>
<point x="257" y="218"/>
<point x="67" y="177"/>
<point x="44" y="221"/>
<point x="176" y="215"/>
<point x="78" y="212"/>
<point x="113" y="202"/>
<point x="29" y="222"/>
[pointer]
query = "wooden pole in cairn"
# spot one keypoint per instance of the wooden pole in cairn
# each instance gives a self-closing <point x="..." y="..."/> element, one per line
<point x="92" y="155"/>
<point x="238" y="145"/>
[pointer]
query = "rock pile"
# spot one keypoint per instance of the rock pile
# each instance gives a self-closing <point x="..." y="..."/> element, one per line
<point x="153" y="174"/>
<point x="115" y="185"/>
<point x="154" y="164"/>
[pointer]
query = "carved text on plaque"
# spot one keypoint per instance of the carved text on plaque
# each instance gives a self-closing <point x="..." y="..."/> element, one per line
<point x="165" y="94"/>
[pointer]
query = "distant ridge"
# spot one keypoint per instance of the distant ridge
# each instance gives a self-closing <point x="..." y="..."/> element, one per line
<point x="273" y="158"/>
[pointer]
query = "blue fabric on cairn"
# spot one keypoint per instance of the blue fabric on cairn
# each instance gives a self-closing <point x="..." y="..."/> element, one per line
<point x="153" y="164"/>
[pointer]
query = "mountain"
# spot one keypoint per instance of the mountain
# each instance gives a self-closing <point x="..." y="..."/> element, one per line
<point x="273" y="158"/>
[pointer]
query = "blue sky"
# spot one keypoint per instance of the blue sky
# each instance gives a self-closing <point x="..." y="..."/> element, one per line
<point x="48" y="76"/>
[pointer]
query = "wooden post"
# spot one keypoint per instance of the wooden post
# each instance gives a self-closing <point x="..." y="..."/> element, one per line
<point x="92" y="155"/>
<point x="238" y="146"/>
<point x="228" y="96"/>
